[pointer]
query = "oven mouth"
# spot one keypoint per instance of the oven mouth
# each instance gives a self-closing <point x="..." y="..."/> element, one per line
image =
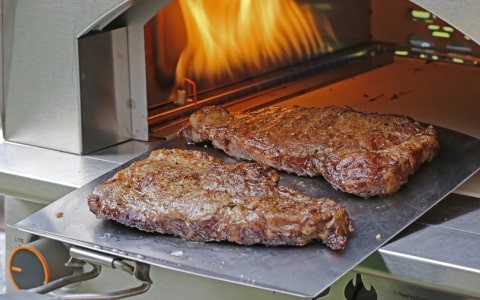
<point x="350" y="61"/>
<point x="200" y="54"/>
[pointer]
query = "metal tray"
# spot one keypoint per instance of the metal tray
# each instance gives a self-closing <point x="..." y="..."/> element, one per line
<point x="300" y="271"/>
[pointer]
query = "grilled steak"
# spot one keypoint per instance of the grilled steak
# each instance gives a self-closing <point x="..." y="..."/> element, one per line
<point x="201" y="198"/>
<point x="366" y="154"/>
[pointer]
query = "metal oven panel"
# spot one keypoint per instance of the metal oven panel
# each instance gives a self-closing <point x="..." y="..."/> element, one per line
<point x="41" y="102"/>
<point x="104" y="89"/>
<point x="303" y="272"/>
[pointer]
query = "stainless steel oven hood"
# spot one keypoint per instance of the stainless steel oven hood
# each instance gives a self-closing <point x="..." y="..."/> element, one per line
<point x="53" y="97"/>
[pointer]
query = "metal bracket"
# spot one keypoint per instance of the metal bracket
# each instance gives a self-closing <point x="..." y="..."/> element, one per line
<point x="80" y="256"/>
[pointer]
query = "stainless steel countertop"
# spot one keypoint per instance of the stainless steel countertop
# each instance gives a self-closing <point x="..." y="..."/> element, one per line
<point x="439" y="250"/>
<point x="43" y="175"/>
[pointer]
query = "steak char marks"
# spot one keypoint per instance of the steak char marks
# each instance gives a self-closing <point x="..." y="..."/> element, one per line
<point x="201" y="198"/>
<point x="366" y="154"/>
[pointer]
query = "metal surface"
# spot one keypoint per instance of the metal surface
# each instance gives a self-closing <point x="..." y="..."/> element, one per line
<point x="48" y="167"/>
<point x="135" y="18"/>
<point x="104" y="90"/>
<point x="303" y="271"/>
<point x="470" y="187"/>
<point x="414" y="257"/>
<point x="22" y="295"/>
<point x="1" y="71"/>
<point x="44" y="175"/>
<point x="42" y="102"/>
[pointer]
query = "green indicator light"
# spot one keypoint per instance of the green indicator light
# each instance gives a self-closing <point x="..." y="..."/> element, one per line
<point x="424" y="56"/>
<point x="420" y="14"/>
<point x="441" y="34"/>
<point x="433" y="27"/>
<point x="457" y="60"/>
<point x="448" y="29"/>
<point x="434" y="57"/>
<point x="401" y="52"/>
<point x="467" y="37"/>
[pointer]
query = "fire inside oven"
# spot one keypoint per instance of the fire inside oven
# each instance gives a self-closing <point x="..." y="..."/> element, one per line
<point x="204" y="52"/>
<point x="209" y="52"/>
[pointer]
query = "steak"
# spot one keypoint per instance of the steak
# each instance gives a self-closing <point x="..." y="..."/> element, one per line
<point x="366" y="154"/>
<point x="201" y="198"/>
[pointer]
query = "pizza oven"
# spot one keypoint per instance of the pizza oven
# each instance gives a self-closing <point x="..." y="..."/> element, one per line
<point x="90" y="85"/>
<point x="135" y="69"/>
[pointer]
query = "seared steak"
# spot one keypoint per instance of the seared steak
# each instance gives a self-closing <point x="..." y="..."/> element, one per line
<point x="366" y="154"/>
<point x="201" y="198"/>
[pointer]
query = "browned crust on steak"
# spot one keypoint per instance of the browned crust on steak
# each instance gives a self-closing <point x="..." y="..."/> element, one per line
<point x="366" y="154"/>
<point x="200" y="198"/>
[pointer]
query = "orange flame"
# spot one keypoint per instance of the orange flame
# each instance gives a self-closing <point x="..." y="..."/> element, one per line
<point x="226" y="36"/>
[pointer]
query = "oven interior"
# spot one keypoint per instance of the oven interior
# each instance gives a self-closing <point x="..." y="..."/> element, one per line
<point x="229" y="54"/>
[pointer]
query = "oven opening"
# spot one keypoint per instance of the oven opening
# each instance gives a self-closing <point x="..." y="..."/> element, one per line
<point x="185" y="54"/>
<point x="210" y="52"/>
<point x="210" y="44"/>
